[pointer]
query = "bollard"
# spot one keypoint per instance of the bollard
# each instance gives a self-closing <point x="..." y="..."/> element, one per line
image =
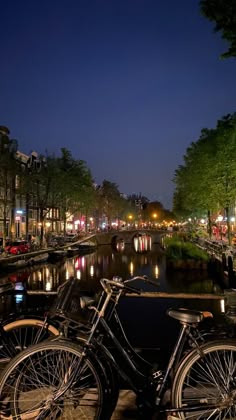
<point x="230" y="304"/>
<point x="224" y="261"/>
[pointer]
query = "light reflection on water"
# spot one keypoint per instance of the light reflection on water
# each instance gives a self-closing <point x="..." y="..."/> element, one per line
<point x="107" y="262"/>
<point x="126" y="262"/>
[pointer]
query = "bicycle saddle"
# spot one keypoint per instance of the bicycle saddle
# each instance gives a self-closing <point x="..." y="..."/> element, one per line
<point x="188" y="315"/>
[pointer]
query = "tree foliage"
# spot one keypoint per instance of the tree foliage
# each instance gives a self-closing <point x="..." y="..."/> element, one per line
<point x="206" y="182"/>
<point x="111" y="203"/>
<point x="223" y="14"/>
<point x="76" y="190"/>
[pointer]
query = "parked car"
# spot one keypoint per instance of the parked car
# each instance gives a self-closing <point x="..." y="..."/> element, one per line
<point x="70" y="237"/>
<point x="56" y="241"/>
<point x="17" y="247"/>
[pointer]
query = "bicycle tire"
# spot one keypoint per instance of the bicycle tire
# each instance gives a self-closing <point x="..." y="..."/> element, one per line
<point x="108" y="372"/>
<point x="34" y="385"/>
<point x="205" y="382"/>
<point x="25" y="332"/>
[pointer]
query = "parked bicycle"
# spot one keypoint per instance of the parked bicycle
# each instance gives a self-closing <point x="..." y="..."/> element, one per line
<point x="63" y="379"/>
<point x="19" y="331"/>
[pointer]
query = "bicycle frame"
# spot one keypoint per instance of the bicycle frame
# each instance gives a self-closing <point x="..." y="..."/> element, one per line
<point x="149" y="386"/>
<point x="135" y="370"/>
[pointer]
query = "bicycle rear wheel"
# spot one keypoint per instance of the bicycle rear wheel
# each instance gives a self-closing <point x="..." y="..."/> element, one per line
<point x="43" y="382"/>
<point x="205" y="383"/>
<point x="22" y="333"/>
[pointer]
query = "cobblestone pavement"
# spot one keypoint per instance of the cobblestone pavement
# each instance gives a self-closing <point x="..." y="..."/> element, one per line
<point x="126" y="408"/>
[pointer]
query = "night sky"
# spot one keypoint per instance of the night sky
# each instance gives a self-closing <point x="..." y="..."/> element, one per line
<point x="125" y="85"/>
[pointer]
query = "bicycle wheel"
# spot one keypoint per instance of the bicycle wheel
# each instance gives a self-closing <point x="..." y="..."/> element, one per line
<point x="49" y="381"/>
<point x="24" y="332"/>
<point x="205" y="383"/>
<point x="111" y="376"/>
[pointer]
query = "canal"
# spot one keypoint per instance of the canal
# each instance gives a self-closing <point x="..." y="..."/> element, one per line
<point x="144" y="319"/>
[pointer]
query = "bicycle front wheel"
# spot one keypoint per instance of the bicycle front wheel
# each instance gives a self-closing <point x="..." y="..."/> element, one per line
<point x="44" y="382"/>
<point x="205" y="383"/>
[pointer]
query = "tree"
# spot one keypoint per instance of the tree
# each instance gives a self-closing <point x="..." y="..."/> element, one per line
<point x="225" y="169"/>
<point x="110" y="200"/>
<point x="207" y="180"/>
<point x="195" y="194"/>
<point x="76" y="186"/>
<point x="8" y="171"/>
<point x="153" y="211"/>
<point x="223" y="13"/>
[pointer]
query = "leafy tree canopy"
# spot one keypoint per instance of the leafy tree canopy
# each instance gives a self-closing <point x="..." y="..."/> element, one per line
<point x="223" y="13"/>
<point x="206" y="182"/>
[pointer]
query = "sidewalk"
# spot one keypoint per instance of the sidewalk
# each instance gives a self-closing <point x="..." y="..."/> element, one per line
<point x="125" y="408"/>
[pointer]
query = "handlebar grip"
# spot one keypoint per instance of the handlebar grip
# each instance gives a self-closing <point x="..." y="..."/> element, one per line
<point x="153" y="283"/>
<point x="144" y="278"/>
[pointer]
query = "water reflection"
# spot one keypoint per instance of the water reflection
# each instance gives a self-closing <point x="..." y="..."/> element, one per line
<point x="107" y="262"/>
<point x="156" y="271"/>
<point x="142" y="243"/>
<point x="120" y="245"/>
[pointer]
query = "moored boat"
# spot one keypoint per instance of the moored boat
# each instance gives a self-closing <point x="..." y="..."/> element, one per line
<point x="37" y="259"/>
<point x="56" y="255"/>
<point x="73" y="251"/>
<point x="87" y="247"/>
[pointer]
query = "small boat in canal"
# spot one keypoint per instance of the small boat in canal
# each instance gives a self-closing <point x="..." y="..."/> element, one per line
<point x="56" y="255"/>
<point x="72" y="251"/>
<point x="85" y="247"/>
<point x="25" y="262"/>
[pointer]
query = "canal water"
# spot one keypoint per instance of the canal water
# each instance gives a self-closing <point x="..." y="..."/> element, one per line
<point x="144" y="319"/>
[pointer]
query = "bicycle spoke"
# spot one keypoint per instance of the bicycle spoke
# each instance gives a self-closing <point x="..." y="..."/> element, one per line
<point x="207" y="385"/>
<point x="48" y="381"/>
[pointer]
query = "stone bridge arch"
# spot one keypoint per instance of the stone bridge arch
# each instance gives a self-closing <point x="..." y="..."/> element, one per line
<point x="109" y="238"/>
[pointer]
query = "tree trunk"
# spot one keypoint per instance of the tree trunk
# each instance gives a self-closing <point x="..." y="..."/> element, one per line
<point x="27" y="216"/>
<point x="86" y="220"/>
<point x="64" y="222"/>
<point x="4" y="233"/>
<point x="42" y="239"/>
<point x="228" y="225"/>
<point x="209" y="223"/>
<point x="13" y="210"/>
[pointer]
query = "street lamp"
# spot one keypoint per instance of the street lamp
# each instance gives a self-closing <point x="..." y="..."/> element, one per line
<point x="130" y="218"/>
<point x="154" y="216"/>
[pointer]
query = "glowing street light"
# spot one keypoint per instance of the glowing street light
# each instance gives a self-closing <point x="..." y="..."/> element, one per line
<point x="130" y="218"/>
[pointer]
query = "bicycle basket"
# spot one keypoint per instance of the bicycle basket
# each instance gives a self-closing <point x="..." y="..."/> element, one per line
<point x="67" y="302"/>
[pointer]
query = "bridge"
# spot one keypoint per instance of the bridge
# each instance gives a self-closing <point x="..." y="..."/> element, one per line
<point x="114" y="236"/>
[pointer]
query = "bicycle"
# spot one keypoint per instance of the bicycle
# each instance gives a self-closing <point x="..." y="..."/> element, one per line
<point x="21" y="331"/>
<point x="18" y="333"/>
<point x="60" y="379"/>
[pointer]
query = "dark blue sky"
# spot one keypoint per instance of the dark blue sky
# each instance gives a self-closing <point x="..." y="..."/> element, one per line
<point x="125" y="85"/>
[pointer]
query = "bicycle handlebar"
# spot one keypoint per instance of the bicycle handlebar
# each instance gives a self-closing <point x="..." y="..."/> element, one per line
<point x="119" y="284"/>
<point x="145" y="278"/>
<point x="106" y="283"/>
